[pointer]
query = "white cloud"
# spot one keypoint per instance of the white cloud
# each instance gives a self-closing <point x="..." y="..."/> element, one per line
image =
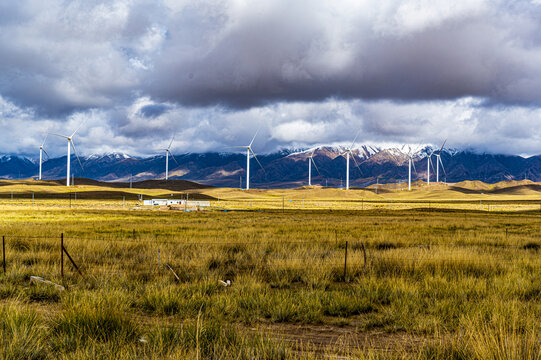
<point x="306" y="71"/>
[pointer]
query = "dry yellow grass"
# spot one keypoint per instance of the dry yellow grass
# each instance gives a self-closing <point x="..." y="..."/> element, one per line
<point x="450" y="281"/>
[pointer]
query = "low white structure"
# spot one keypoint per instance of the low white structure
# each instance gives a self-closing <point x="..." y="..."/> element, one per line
<point x="196" y="203"/>
<point x="165" y="202"/>
<point x="155" y="202"/>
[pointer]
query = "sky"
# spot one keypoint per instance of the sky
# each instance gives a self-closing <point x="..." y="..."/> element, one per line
<point x="135" y="72"/>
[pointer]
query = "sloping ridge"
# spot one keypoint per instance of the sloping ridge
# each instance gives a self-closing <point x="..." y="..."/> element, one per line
<point x="173" y="185"/>
<point x="512" y="183"/>
<point x="518" y="190"/>
<point x="474" y="185"/>
<point x="513" y="187"/>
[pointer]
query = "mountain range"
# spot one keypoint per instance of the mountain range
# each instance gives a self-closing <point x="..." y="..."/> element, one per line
<point x="285" y="168"/>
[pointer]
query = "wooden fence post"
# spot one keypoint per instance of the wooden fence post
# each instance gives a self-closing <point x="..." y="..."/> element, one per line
<point x="177" y="278"/>
<point x="346" y="262"/>
<point x="73" y="262"/>
<point x="4" y="253"/>
<point x="62" y="255"/>
<point x="364" y="252"/>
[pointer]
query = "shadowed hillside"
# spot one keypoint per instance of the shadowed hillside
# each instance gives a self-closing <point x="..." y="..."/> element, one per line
<point x="173" y="185"/>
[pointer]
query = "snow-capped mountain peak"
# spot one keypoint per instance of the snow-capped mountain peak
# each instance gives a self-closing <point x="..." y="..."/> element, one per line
<point x="111" y="155"/>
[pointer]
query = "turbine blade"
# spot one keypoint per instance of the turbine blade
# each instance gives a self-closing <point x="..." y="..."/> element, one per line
<point x="413" y="165"/>
<point x="78" y="128"/>
<point x="171" y="143"/>
<point x="431" y="163"/>
<point x="442" y="167"/>
<point x="251" y="142"/>
<point x="256" y="159"/>
<point x="353" y="143"/>
<point x="45" y="152"/>
<point x="313" y="162"/>
<point x="77" y="155"/>
<point x="356" y="164"/>
<point x="441" y="149"/>
<point x="63" y="136"/>
<point x="43" y="143"/>
<point x="170" y="153"/>
<point x="417" y="148"/>
<point x="402" y="150"/>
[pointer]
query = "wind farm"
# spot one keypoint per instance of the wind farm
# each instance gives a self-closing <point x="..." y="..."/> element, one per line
<point x="305" y="270"/>
<point x="270" y="180"/>
<point x="330" y="251"/>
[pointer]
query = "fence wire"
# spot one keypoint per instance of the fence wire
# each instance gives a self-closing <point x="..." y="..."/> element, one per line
<point x="135" y="257"/>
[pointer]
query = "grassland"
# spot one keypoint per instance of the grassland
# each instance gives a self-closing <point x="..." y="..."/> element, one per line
<point x="441" y="279"/>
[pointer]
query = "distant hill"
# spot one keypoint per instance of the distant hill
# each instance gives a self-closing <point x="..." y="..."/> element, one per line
<point x="286" y="168"/>
<point x="172" y="184"/>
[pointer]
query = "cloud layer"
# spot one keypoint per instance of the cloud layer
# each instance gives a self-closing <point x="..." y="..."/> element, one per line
<point x="307" y="72"/>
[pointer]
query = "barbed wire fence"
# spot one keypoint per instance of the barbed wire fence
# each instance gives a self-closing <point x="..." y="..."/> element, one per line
<point x="339" y="260"/>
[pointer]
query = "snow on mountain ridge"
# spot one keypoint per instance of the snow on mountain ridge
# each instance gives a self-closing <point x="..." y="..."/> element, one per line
<point x="111" y="155"/>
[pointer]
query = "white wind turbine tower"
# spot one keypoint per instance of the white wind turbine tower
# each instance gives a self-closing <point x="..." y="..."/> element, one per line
<point x="411" y="164"/>
<point x="310" y="161"/>
<point x="428" y="164"/>
<point x="409" y="170"/>
<point x="438" y="162"/>
<point x="167" y="153"/>
<point x="41" y="151"/>
<point x="347" y="152"/>
<point x="70" y="145"/>
<point x="248" y="152"/>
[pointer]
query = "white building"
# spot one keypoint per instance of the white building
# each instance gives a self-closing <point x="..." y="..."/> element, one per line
<point x="165" y="202"/>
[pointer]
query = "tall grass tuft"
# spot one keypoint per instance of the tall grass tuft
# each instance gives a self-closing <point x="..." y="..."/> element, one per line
<point x="21" y="333"/>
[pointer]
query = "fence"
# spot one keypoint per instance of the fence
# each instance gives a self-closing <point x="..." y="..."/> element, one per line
<point x="135" y="257"/>
<point x="91" y="200"/>
<point x="277" y="262"/>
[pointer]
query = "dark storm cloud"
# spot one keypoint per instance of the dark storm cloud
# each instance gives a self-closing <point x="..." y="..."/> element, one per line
<point x="287" y="54"/>
<point x="63" y="57"/>
<point x="305" y="71"/>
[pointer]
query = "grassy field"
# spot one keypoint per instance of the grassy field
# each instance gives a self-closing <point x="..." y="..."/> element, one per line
<point x="430" y="278"/>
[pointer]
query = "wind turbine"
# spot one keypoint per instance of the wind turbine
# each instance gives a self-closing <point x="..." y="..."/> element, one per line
<point x="41" y="151"/>
<point x="411" y="164"/>
<point x="71" y="145"/>
<point x="428" y="163"/>
<point x="248" y="151"/>
<point x="310" y="161"/>
<point x="347" y="152"/>
<point x="438" y="161"/>
<point x="167" y="153"/>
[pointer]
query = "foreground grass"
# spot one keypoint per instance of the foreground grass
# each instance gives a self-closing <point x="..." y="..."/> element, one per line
<point x="449" y="284"/>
